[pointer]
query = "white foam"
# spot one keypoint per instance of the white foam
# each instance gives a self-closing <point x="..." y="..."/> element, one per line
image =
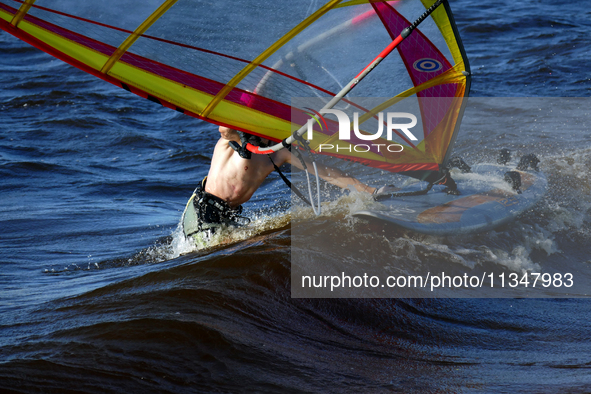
<point x="180" y="245"/>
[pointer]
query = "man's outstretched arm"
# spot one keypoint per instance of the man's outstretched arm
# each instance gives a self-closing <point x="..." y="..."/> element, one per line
<point x="333" y="176"/>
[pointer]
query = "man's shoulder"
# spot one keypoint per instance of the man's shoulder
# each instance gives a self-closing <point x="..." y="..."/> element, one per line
<point x="222" y="149"/>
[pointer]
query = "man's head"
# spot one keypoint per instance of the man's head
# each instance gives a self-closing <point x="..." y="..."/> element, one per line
<point x="228" y="133"/>
<point x="232" y="135"/>
<point x="255" y="140"/>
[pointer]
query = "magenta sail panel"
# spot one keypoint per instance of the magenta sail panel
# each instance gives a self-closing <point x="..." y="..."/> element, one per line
<point x="423" y="61"/>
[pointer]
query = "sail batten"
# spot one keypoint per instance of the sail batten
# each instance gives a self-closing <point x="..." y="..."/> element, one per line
<point x="22" y="11"/>
<point x="136" y="34"/>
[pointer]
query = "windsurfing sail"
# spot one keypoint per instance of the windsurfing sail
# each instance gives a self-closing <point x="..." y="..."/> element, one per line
<point x="239" y="64"/>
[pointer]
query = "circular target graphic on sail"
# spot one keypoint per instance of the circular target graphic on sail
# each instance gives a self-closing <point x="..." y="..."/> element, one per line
<point x="427" y="65"/>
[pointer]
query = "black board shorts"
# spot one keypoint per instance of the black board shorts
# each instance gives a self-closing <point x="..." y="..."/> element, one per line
<point x="206" y="213"/>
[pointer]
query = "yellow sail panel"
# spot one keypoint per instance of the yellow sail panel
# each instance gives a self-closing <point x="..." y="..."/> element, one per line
<point x="7" y="17"/>
<point x="83" y="54"/>
<point x="193" y="100"/>
<point x="441" y="17"/>
<point x="247" y="119"/>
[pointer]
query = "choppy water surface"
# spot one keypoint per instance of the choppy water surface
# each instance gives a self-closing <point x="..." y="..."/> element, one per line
<point x="99" y="293"/>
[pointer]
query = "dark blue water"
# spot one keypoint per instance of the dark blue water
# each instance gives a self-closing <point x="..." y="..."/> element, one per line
<point x="99" y="292"/>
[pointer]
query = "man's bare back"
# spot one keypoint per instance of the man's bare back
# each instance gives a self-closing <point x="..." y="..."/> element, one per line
<point x="234" y="179"/>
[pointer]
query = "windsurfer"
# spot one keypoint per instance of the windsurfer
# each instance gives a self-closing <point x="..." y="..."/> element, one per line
<point x="232" y="180"/>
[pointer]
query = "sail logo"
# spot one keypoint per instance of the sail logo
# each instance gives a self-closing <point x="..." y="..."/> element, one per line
<point x="392" y="123"/>
<point x="427" y="65"/>
<point x="315" y="115"/>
